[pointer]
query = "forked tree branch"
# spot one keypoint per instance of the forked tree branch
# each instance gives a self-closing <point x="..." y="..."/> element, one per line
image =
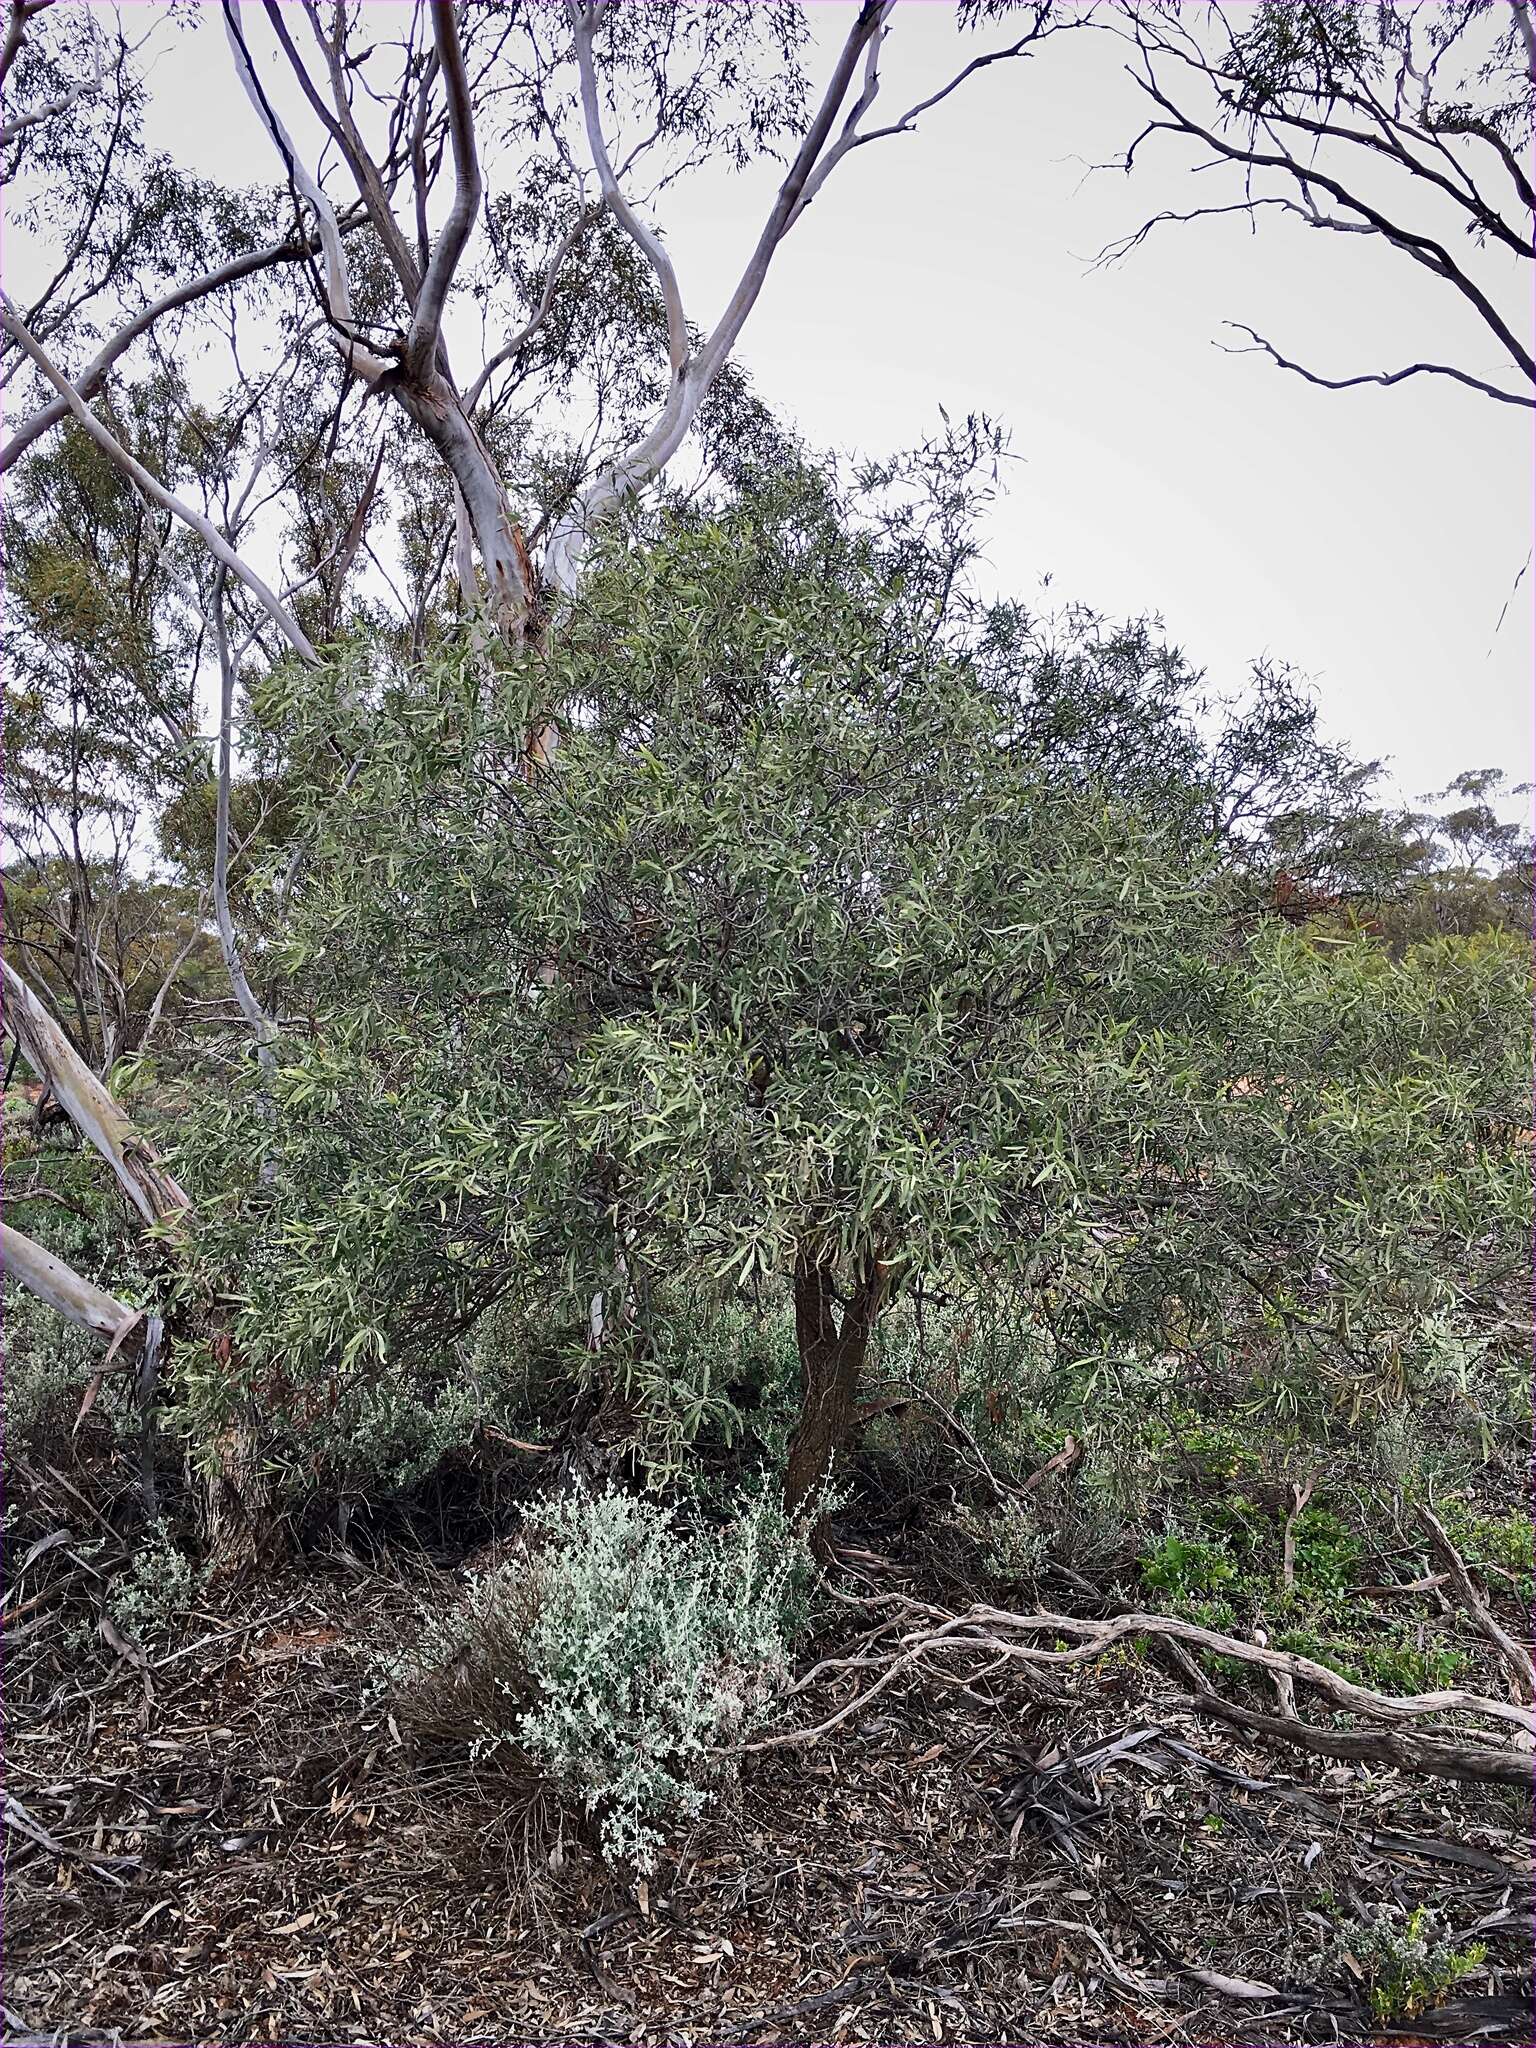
<point x="94" y="375"/>
<point x="1309" y="133"/>
<point x="361" y="360"/>
<point x="156" y="492"/>
<point x="693" y="381"/>
<point x="926" y="1635"/>
<point x="645" y="239"/>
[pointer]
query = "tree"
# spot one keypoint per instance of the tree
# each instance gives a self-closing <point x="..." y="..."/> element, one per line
<point x="1404" y="123"/>
<point x="815" y="969"/>
<point x="560" y="258"/>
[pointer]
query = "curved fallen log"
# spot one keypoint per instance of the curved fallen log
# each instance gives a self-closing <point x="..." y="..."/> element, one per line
<point x="993" y="1638"/>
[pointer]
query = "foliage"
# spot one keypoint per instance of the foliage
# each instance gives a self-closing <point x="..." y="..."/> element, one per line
<point x="53" y="1193"/>
<point x="830" y="942"/>
<point x="1407" y="1959"/>
<point x="625" y="1655"/>
<point x="157" y="1587"/>
<point x="48" y="1363"/>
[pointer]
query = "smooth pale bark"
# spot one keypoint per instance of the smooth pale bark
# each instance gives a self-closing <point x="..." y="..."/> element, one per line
<point x="694" y="375"/>
<point x="237" y="1501"/>
<point x="77" y="1299"/>
<point x="263" y="1028"/>
<point x="88" y="1105"/>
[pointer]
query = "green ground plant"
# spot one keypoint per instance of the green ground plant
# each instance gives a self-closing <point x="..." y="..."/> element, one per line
<point x="1407" y="1961"/>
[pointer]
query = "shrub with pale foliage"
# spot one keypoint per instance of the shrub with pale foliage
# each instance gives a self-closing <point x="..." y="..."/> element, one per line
<point x="622" y="1653"/>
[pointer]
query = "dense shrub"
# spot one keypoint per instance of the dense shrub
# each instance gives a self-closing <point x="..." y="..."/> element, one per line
<point x="622" y="1653"/>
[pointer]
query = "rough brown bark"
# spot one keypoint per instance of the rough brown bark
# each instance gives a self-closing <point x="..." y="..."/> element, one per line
<point x="832" y="1348"/>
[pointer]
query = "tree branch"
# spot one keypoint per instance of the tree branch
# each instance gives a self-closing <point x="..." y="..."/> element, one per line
<point x="79" y="1300"/>
<point x="427" y="319"/>
<point x="263" y="1026"/>
<point x="154" y="490"/>
<point x="94" y="375"/>
<point x="88" y="1105"/>
<point x="583" y="20"/>
<point x="362" y="361"/>
<point x="1371" y="376"/>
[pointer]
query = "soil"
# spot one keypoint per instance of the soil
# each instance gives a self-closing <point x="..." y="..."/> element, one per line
<point x="216" y="1835"/>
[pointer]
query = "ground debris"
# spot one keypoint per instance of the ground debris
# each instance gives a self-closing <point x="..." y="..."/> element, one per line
<point x="259" y="1856"/>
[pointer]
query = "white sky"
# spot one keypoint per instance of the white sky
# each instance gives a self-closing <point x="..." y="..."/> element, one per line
<point x="1371" y="537"/>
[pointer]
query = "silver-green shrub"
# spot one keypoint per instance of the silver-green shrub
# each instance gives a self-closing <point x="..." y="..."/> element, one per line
<point x="158" y="1587"/>
<point x="623" y="1653"/>
<point x="1407" y="1959"/>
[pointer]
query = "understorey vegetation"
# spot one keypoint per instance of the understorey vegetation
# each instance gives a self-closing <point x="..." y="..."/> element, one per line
<point x="741" y="1282"/>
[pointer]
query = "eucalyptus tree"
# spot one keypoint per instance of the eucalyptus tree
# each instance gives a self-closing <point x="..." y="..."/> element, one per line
<point x="1407" y="124"/>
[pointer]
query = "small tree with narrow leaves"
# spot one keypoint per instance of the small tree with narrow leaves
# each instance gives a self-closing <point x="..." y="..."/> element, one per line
<point x="812" y="968"/>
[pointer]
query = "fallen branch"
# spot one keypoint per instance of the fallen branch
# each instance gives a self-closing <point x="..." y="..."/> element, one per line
<point x="1515" y="1655"/>
<point x="928" y="1634"/>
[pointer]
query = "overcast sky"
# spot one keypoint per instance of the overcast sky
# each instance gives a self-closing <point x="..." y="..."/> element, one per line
<point x="1370" y="537"/>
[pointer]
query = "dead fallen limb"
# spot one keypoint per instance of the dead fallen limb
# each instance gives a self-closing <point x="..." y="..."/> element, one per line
<point x="927" y="1635"/>
<point x="1427" y="1756"/>
<point x="1515" y="1656"/>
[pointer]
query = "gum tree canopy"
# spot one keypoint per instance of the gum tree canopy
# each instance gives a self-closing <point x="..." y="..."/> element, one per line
<point x="856" y="947"/>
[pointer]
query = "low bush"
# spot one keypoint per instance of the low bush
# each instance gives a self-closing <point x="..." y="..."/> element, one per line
<point x="621" y="1653"/>
<point x="1406" y="1960"/>
<point x="156" y="1590"/>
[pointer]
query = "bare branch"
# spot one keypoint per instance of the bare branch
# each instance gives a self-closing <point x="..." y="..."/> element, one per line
<point x="851" y="139"/>
<point x="583" y="20"/>
<point x="154" y="490"/>
<point x="1527" y="28"/>
<point x="1371" y="376"/>
<point x="263" y="1026"/>
<point x="168" y="982"/>
<point x="694" y="379"/>
<point x="1307" y="131"/>
<point x="22" y="11"/>
<point x="94" y="375"/>
<point x="513" y="347"/>
<point x="362" y="361"/>
<point x="1515" y="1655"/>
<point x="87" y="89"/>
<point x="868" y="23"/>
<point x="427" y="319"/>
<point x="929" y="1633"/>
